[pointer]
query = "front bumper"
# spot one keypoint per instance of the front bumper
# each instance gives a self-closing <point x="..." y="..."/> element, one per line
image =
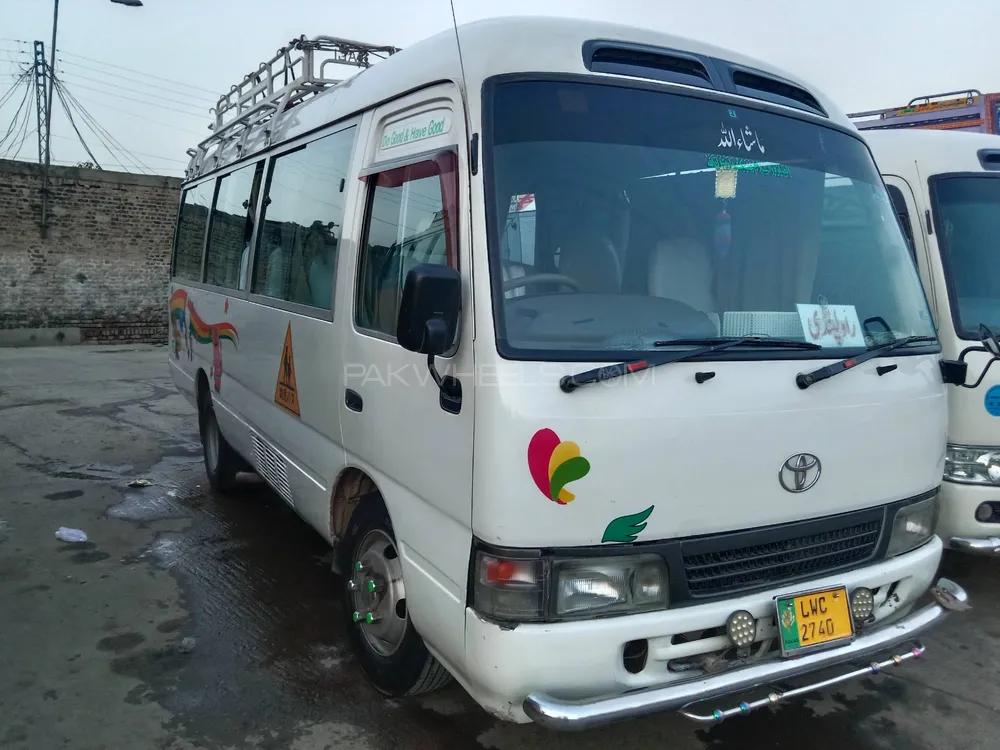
<point x="584" y="714"/>
<point x="976" y="546"/>
<point x="957" y="524"/>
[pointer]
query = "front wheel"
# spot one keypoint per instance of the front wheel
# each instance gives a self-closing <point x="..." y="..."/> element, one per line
<point x="392" y="653"/>
<point x="222" y="463"/>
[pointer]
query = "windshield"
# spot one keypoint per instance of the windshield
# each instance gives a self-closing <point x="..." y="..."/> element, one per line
<point x="967" y="209"/>
<point x="622" y="217"/>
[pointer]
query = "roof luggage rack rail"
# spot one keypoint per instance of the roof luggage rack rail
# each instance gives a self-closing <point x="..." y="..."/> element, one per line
<point x="919" y="104"/>
<point x="283" y="81"/>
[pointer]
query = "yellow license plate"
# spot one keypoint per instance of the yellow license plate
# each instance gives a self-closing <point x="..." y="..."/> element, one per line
<point x="817" y="618"/>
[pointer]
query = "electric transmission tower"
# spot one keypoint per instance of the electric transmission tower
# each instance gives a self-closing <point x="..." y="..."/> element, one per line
<point x="42" y="103"/>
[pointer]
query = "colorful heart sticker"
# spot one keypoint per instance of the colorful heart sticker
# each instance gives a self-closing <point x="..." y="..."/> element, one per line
<point x="554" y="463"/>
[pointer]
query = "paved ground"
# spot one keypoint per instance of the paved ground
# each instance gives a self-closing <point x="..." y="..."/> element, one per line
<point x="191" y="621"/>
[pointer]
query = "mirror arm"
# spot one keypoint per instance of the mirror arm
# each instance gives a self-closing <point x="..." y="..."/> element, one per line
<point x="434" y="371"/>
<point x="982" y="374"/>
<point x="969" y="349"/>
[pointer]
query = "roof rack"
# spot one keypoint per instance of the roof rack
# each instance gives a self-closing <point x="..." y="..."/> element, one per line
<point x="912" y="107"/>
<point x="283" y="81"/>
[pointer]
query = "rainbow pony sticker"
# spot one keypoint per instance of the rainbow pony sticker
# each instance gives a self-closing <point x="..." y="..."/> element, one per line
<point x="203" y="332"/>
<point x="185" y="322"/>
<point x="554" y="463"/>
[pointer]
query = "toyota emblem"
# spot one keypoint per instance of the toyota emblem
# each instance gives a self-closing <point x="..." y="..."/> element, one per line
<point x="800" y="472"/>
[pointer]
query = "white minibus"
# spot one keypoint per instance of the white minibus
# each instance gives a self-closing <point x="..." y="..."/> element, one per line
<point x="946" y="190"/>
<point x="676" y="442"/>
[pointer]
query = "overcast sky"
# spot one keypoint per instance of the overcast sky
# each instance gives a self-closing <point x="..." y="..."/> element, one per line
<point x="866" y="54"/>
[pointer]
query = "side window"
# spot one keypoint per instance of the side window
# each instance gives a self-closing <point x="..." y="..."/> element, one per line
<point x="301" y="221"/>
<point x="412" y="213"/>
<point x="899" y="206"/>
<point x="191" y="225"/>
<point x="232" y="228"/>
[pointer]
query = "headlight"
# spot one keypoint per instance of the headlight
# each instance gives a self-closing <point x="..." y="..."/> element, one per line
<point x="971" y="464"/>
<point x="609" y="585"/>
<point x="545" y="589"/>
<point x="914" y="524"/>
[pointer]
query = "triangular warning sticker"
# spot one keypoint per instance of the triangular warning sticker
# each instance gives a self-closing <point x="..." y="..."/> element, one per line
<point x="285" y="393"/>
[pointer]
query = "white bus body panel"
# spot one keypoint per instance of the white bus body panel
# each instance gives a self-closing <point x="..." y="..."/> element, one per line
<point x="908" y="159"/>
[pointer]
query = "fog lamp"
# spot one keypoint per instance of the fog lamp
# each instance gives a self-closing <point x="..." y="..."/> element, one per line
<point x="862" y="604"/>
<point x="984" y="512"/>
<point x="741" y="627"/>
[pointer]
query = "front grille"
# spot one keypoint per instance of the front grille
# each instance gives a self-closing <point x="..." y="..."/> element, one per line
<point x="740" y="568"/>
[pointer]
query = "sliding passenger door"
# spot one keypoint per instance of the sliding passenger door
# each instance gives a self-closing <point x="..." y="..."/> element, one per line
<point x="291" y="337"/>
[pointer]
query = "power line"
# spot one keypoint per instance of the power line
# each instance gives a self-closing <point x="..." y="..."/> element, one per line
<point x="201" y="97"/>
<point x="10" y="91"/>
<point x="98" y="129"/>
<point x="139" y="101"/>
<point x="14" y="123"/>
<point x="18" y="129"/>
<point x="69" y="116"/>
<point x="143" y="117"/>
<point x="137" y="153"/>
<point x="139" y="72"/>
<point x="185" y="103"/>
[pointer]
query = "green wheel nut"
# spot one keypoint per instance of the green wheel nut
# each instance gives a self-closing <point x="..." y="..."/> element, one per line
<point x="370" y="585"/>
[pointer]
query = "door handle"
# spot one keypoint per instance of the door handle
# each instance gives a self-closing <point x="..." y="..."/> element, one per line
<point x="353" y="400"/>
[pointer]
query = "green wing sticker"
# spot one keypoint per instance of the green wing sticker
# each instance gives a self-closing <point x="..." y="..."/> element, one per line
<point x="626" y="528"/>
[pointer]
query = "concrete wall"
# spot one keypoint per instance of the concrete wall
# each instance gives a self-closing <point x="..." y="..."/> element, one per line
<point x="101" y="273"/>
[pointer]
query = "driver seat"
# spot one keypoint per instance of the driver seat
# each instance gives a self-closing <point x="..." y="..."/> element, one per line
<point x="592" y="261"/>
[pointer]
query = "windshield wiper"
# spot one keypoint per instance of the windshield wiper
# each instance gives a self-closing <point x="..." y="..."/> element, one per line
<point x="762" y="341"/>
<point x="706" y="346"/>
<point x="805" y="379"/>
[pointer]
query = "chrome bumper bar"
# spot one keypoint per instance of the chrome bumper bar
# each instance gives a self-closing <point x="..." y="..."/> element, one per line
<point x="987" y="546"/>
<point x="553" y="713"/>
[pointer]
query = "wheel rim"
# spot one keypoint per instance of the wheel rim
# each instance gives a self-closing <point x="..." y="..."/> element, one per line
<point x="377" y="593"/>
<point x="212" y="442"/>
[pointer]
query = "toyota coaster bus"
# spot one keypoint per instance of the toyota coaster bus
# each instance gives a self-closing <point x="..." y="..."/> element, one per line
<point x="683" y="443"/>
<point x="946" y="190"/>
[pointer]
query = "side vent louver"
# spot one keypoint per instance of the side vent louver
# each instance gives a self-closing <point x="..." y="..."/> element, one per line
<point x="690" y="69"/>
<point x="623" y="58"/>
<point x="271" y="466"/>
<point x="990" y="159"/>
<point x="776" y="90"/>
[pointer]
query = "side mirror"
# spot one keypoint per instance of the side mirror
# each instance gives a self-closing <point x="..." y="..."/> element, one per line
<point x="989" y="341"/>
<point x="954" y="371"/>
<point x="427" y="322"/>
<point x="429" y="308"/>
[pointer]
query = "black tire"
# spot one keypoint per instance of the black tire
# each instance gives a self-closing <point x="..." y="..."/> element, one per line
<point x="411" y="669"/>
<point x="222" y="464"/>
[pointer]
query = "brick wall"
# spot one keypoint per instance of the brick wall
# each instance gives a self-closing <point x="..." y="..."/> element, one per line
<point x="103" y="267"/>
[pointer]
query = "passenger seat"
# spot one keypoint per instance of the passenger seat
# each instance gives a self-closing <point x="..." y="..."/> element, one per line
<point x="680" y="269"/>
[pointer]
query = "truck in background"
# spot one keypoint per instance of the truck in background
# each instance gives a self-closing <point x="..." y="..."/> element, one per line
<point x="970" y="111"/>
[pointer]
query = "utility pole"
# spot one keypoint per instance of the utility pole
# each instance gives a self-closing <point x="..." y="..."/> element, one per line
<point x="50" y="77"/>
<point x="48" y="119"/>
<point x="42" y="108"/>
